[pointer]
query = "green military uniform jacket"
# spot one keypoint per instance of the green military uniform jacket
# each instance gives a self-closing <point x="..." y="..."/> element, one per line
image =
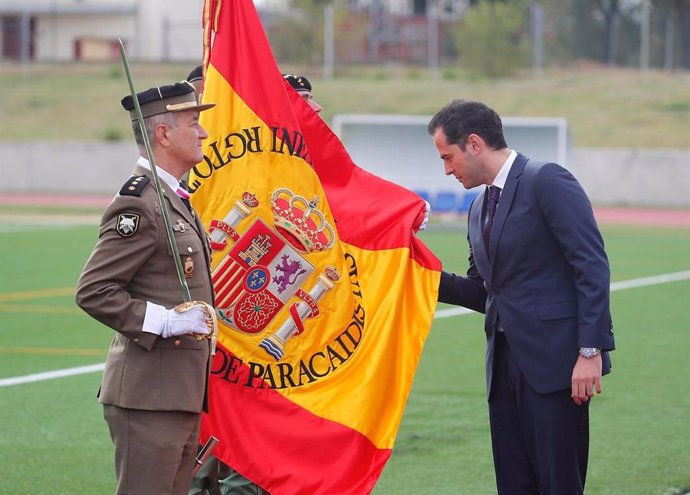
<point x="130" y="265"/>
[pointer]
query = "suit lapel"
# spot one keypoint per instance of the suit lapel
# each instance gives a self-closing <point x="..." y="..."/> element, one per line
<point x="481" y="259"/>
<point x="505" y="203"/>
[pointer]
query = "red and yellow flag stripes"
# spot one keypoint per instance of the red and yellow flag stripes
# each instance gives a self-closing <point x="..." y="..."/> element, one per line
<point x="324" y="295"/>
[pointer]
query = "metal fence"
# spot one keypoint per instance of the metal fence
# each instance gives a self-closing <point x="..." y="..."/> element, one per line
<point x="551" y="32"/>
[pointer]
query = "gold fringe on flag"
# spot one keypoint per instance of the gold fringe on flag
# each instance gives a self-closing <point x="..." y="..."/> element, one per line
<point x="210" y="24"/>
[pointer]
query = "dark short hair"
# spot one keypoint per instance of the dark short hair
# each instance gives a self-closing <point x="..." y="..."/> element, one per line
<point x="460" y="118"/>
<point x="150" y="123"/>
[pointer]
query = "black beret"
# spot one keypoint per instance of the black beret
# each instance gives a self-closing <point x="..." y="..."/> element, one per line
<point x="196" y="78"/>
<point x="171" y="98"/>
<point x="196" y="74"/>
<point x="300" y="83"/>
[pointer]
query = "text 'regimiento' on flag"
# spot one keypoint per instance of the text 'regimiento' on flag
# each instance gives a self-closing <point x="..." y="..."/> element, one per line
<point x="324" y="295"/>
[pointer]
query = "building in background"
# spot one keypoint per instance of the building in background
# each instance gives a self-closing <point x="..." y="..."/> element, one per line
<point x="170" y="30"/>
<point x="88" y="30"/>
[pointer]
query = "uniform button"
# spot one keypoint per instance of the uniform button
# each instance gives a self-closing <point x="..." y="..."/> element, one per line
<point x="177" y="342"/>
<point x="189" y="249"/>
<point x="136" y="340"/>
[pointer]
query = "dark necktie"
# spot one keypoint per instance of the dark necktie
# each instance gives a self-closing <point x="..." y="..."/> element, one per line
<point x="491" y="202"/>
<point x="184" y="196"/>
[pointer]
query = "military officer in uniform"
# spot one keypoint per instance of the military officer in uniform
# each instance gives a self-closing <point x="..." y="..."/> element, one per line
<point x="155" y="378"/>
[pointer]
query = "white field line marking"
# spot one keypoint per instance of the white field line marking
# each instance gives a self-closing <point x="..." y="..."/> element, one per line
<point x="49" y="375"/>
<point x="443" y="313"/>
<point x="10" y="229"/>
<point x="657" y="279"/>
<point x="622" y="285"/>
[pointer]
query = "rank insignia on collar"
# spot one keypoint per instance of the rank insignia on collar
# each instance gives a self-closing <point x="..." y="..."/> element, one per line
<point x="127" y="224"/>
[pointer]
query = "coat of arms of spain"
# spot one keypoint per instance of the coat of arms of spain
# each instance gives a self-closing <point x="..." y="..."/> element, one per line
<point x="266" y="269"/>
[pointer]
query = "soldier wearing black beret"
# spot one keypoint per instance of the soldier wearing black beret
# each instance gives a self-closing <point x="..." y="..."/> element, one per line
<point x="196" y="79"/>
<point x="303" y="87"/>
<point x="155" y="377"/>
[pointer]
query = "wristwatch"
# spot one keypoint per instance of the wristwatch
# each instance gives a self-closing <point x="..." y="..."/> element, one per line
<point x="589" y="352"/>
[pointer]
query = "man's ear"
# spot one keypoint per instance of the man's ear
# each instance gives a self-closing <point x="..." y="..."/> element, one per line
<point x="475" y="143"/>
<point x="162" y="131"/>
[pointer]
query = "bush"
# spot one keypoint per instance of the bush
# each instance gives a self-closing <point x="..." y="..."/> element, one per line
<point x="112" y="133"/>
<point x="493" y="39"/>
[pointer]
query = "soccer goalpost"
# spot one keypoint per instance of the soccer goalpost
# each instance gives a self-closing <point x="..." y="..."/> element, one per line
<point x="398" y="148"/>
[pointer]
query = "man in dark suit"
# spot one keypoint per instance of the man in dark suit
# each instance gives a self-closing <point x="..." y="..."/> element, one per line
<point x="154" y="383"/>
<point x="538" y="270"/>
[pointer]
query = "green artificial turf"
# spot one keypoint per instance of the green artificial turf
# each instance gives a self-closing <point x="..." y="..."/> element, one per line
<point x="54" y="439"/>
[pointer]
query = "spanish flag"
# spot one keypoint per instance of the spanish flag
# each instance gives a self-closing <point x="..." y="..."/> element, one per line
<point x="324" y="295"/>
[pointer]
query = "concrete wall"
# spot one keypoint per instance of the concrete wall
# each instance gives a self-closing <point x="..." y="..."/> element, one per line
<point x="630" y="177"/>
<point x="153" y="30"/>
<point x="56" y="36"/>
<point x="635" y="177"/>
<point x="97" y="168"/>
<point x="169" y="30"/>
<point x="398" y="148"/>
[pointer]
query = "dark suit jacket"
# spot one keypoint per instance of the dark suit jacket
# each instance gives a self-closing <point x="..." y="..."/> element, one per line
<point x="143" y="370"/>
<point x="546" y="278"/>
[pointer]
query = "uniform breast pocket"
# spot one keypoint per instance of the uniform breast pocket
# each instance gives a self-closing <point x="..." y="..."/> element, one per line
<point x="191" y="256"/>
<point x="180" y="342"/>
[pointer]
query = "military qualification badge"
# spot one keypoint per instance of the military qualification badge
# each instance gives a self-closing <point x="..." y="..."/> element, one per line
<point x="188" y="267"/>
<point x="127" y="224"/>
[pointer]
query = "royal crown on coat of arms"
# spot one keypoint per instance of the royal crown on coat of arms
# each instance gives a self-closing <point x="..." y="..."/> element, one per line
<point x="300" y="220"/>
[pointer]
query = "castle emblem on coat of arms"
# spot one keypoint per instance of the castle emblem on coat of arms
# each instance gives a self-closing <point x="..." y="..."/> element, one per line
<point x="265" y="268"/>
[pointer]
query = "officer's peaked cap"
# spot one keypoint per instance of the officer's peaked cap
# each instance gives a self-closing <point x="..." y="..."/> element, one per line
<point x="176" y="97"/>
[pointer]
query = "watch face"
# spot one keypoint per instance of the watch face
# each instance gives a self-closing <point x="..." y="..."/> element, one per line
<point x="588" y="352"/>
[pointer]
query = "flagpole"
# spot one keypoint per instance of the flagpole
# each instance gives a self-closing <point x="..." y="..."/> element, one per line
<point x="156" y="181"/>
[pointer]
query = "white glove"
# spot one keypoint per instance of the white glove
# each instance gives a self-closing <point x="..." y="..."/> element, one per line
<point x="169" y="322"/>
<point x="191" y="321"/>
<point x="425" y="222"/>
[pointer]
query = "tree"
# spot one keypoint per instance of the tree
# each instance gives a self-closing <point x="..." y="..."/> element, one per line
<point x="493" y="37"/>
<point x="610" y="10"/>
<point x="678" y="20"/>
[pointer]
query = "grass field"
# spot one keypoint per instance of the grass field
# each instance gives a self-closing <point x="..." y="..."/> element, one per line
<point x="54" y="439"/>
<point x="604" y="107"/>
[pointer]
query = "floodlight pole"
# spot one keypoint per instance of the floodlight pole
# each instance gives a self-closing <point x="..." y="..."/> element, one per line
<point x="328" y="42"/>
<point x="156" y="181"/>
<point x="432" y="15"/>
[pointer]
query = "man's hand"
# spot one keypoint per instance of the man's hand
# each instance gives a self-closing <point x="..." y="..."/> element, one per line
<point x="191" y="321"/>
<point x="586" y="378"/>
<point x="425" y="222"/>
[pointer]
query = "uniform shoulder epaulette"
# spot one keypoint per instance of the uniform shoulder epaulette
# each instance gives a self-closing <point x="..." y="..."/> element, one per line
<point x="135" y="185"/>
